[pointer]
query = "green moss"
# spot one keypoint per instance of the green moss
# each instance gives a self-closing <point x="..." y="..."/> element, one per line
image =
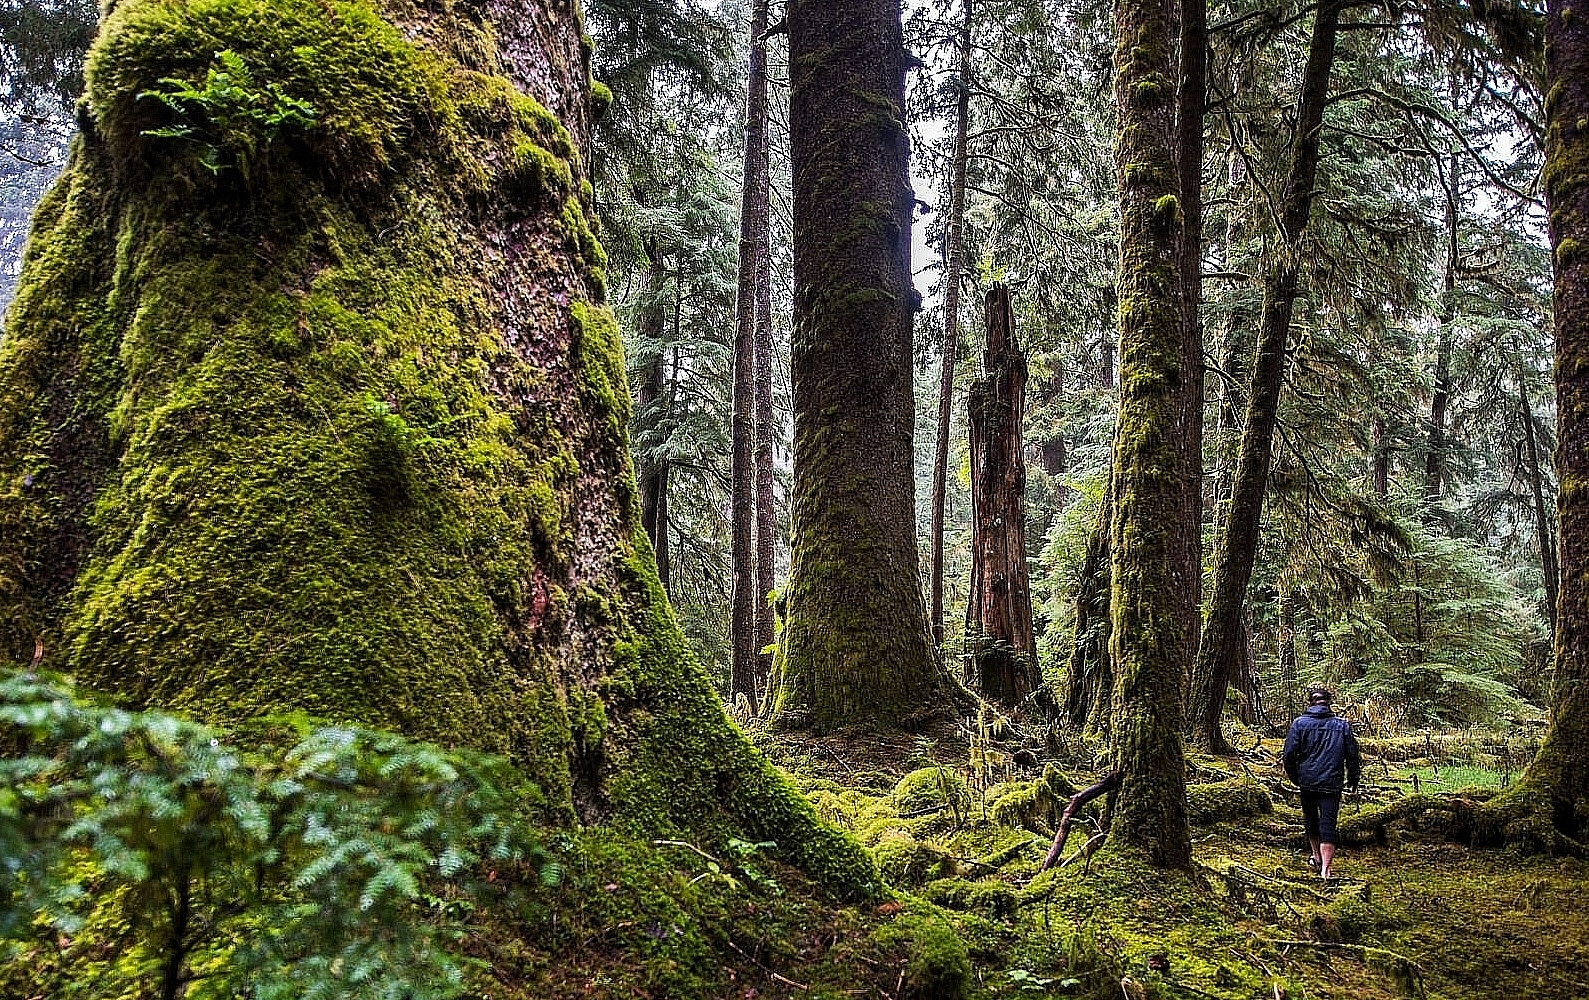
<point x="906" y="862"/>
<point x="932" y="788"/>
<point x="939" y="967"/>
<point x="1220" y="801"/>
<point x="993" y="900"/>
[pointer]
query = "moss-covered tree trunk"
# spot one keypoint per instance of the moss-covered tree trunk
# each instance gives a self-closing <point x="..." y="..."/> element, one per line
<point x="1149" y="644"/>
<point x="857" y="647"/>
<point x="1003" y="653"/>
<point x="309" y="401"/>
<point x="1222" y="651"/>
<point x="1552" y="796"/>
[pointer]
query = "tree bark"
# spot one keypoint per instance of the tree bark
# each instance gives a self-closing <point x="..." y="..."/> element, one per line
<point x="1440" y="401"/>
<point x="1149" y="642"/>
<point x="652" y="395"/>
<point x="1379" y="469"/>
<point x="1003" y="661"/>
<point x="360" y="416"/>
<point x="747" y="602"/>
<point x="1191" y="97"/>
<point x="1238" y="547"/>
<point x="1543" y="529"/>
<point x="1091" y="675"/>
<point x="1555" y="787"/>
<point x="858" y="650"/>
<point x="954" y="265"/>
<point x="766" y="496"/>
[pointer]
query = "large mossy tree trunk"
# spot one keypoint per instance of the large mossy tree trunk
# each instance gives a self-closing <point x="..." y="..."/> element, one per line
<point x="1551" y="799"/>
<point x="1003" y="652"/>
<point x="857" y="647"/>
<point x="325" y="413"/>
<point x="1223" y="649"/>
<point x="1150" y="647"/>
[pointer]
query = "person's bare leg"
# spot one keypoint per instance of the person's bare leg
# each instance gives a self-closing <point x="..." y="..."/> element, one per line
<point x="1326" y="855"/>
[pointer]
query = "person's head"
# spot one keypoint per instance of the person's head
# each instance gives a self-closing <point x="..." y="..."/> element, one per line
<point x="1319" y="696"/>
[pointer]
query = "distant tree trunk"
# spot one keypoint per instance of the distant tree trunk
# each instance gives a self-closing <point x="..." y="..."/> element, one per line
<point x="651" y="396"/>
<point x="747" y="602"/>
<point x="1149" y="641"/>
<point x="954" y="264"/>
<point x="858" y="650"/>
<point x="1052" y="448"/>
<point x="1220" y="649"/>
<point x="1543" y="529"/>
<point x="371" y="458"/>
<point x="1003" y="663"/>
<point x="1286" y="640"/>
<point x="1191" y="97"/>
<point x="1435" y="461"/>
<point x="1379" y="473"/>
<point x="766" y="483"/>
<point x="1235" y="358"/>
<point x="1554" y="790"/>
<point x="1091" y="675"/>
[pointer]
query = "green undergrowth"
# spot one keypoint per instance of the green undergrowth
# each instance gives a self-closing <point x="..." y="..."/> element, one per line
<point x="1415" y="917"/>
<point x="622" y="911"/>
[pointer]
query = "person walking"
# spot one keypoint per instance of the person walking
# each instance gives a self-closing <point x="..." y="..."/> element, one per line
<point x="1322" y="758"/>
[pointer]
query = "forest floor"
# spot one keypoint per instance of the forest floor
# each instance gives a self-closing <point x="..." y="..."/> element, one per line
<point x="959" y="827"/>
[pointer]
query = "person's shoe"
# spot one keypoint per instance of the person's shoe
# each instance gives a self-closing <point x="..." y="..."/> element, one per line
<point x="1314" y="862"/>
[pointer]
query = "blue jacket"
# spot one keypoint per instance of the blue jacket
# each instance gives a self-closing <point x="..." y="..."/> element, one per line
<point x="1318" y="748"/>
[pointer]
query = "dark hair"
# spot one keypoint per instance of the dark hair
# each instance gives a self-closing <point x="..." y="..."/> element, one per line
<point x="1320" y="696"/>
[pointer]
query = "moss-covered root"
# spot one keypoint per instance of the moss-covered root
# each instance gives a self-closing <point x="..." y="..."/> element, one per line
<point x="1524" y="821"/>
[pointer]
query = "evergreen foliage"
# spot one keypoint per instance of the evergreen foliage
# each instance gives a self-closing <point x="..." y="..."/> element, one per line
<point x="291" y="861"/>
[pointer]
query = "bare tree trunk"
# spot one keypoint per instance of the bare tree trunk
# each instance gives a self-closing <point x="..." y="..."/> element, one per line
<point x="1220" y="647"/>
<point x="1549" y="569"/>
<point x="747" y="602"/>
<point x="1286" y="640"/>
<point x="1435" y="461"/>
<point x="1191" y="98"/>
<point x="1052" y="449"/>
<point x="1003" y="662"/>
<point x="954" y="264"/>
<point x="766" y="497"/>
<point x="1379" y="472"/>
<point x="1090" y="677"/>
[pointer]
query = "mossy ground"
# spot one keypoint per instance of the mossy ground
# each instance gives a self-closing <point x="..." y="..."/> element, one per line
<point x="970" y="916"/>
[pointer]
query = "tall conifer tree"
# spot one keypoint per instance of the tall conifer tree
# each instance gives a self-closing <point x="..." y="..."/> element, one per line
<point x="858" y="650"/>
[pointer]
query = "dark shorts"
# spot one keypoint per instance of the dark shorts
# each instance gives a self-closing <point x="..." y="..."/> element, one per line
<point x="1319" y="810"/>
